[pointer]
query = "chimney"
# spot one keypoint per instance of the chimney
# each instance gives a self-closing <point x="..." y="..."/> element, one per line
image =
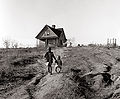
<point x="53" y="26"/>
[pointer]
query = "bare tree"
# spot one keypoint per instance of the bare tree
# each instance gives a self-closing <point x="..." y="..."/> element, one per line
<point x="6" y="43"/>
<point x="10" y="43"/>
<point x="14" y="44"/>
<point x="71" y="41"/>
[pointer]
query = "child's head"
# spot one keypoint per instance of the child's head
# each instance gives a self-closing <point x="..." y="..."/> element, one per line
<point x="59" y="57"/>
<point x="49" y="49"/>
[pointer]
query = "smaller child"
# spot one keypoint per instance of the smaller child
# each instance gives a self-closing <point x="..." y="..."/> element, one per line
<point x="59" y="65"/>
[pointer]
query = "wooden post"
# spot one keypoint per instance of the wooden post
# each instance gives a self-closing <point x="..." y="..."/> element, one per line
<point x="115" y="43"/>
<point x="46" y="43"/>
<point x="37" y="43"/>
<point x="108" y="41"/>
<point x="55" y="42"/>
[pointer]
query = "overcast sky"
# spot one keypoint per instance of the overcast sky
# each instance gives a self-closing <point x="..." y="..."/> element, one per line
<point x="87" y="21"/>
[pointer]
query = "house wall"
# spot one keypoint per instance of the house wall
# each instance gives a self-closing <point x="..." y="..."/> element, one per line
<point x="60" y="42"/>
<point x="53" y="42"/>
<point x="57" y="43"/>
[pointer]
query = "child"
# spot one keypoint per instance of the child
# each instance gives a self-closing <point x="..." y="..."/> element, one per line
<point x="49" y="57"/>
<point x="59" y="65"/>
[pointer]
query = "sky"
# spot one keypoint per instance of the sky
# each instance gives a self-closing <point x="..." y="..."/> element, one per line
<point x="84" y="21"/>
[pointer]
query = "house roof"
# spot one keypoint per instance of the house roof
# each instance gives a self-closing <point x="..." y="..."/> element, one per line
<point x="58" y="32"/>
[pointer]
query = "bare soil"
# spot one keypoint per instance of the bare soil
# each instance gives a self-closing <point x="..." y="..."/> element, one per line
<point x="66" y="85"/>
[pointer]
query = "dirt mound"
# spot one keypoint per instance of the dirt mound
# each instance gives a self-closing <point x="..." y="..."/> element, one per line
<point x="86" y="60"/>
<point x="81" y="77"/>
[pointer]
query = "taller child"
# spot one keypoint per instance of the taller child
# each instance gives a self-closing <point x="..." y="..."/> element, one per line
<point x="49" y="57"/>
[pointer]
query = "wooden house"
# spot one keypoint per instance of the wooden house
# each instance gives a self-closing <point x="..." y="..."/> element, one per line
<point x="52" y="36"/>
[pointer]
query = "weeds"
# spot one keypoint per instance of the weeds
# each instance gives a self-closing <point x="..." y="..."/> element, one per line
<point x="15" y="66"/>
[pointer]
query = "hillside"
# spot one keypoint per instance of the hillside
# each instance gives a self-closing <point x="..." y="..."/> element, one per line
<point x="68" y="84"/>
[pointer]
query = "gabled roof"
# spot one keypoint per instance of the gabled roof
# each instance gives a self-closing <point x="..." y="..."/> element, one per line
<point x="58" y="32"/>
<point x="40" y="33"/>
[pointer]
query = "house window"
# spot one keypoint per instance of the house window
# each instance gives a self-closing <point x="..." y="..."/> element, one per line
<point x="47" y="33"/>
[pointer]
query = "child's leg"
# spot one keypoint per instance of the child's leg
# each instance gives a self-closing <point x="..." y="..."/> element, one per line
<point x="50" y="69"/>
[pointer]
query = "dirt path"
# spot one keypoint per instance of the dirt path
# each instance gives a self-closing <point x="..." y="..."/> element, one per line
<point x="50" y="82"/>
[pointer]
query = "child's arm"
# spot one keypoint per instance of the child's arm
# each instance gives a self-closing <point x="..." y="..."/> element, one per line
<point x="54" y="58"/>
<point x="61" y="63"/>
<point x="46" y="54"/>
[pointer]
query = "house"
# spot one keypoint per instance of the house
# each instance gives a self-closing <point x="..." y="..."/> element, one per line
<point x="52" y="36"/>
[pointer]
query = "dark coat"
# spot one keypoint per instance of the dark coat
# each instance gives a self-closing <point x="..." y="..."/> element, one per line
<point x="49" y="57"/>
